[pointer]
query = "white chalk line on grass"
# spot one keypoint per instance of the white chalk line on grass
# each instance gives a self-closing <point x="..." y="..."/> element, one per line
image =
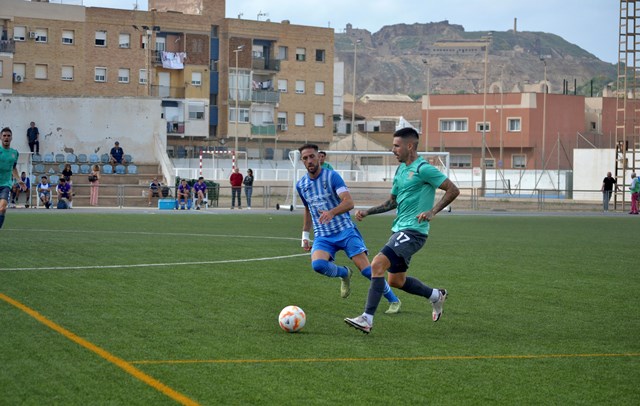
<point x="264" y="237"/>
<point x="226" y="261"/>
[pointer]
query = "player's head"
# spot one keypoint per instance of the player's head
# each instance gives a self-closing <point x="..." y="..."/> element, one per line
<point x="310" y="158"/>
<point x="405" y="144"/>
<point x="322" y="156"/>
<point x="6" y="135"/>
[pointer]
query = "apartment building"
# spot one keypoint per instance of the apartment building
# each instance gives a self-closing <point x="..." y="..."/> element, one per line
<point x="180" y="52"/>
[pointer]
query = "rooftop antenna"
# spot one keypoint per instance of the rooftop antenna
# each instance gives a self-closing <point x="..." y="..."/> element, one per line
<point x="135" y="5"/>
<point x="261" y="14"/>
<point x="240" y="15"/>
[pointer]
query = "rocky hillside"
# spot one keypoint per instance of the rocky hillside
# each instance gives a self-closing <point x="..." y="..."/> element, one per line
<point x="395" y="60"/>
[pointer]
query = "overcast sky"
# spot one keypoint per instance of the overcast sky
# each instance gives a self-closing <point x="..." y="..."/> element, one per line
<point x="590" y="24"/>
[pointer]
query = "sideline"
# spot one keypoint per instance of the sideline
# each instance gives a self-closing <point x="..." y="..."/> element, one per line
<point x="126" y="366"/>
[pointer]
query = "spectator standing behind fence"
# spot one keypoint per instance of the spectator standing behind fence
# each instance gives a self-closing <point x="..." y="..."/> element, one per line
<point x="607" y="190"/>
<point x="44" y="191"/>
<point x="248" y="187"/>
<point x="199" y="192"/>
<point x="236" y="188"/>
<point x="16" y="189"/>
<point x="94" y="179"/>
<point x="116" y="155"/>
<point x="154" y="189"/>
<point x="634" y="188"/>
<point x="33" y="135"/>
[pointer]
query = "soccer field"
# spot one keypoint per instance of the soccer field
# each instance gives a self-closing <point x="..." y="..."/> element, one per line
<point x="151" y="309"/>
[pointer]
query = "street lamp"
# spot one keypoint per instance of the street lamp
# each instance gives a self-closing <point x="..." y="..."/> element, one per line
<point x="483" y="165"/>
<point x="353" y="107"/>
<point x="544" y="110"/>
<point x="235" y="151"/>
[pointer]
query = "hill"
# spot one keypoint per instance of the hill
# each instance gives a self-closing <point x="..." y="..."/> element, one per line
<point x="395" y="59"/>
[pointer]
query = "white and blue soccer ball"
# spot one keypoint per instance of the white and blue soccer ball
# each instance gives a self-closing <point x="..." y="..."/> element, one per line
<point x="292" y="319"/>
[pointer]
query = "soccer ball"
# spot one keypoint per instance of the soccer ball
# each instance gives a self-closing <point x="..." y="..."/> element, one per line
<point x="292" y="319"/>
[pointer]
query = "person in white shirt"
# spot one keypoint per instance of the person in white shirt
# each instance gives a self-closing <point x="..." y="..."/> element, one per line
<point x="44" y="192"/>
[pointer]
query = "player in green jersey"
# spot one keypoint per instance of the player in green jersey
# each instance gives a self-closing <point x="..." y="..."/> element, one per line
<point x="8" y="170"/>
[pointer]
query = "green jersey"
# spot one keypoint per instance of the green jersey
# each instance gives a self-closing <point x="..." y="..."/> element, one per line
<point x="414" y="187"/>
<point x="8" y="161"/>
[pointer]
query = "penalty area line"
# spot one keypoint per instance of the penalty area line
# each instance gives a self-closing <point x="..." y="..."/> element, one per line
<point x="427" y="358"/>
<point x="226" y="261"/>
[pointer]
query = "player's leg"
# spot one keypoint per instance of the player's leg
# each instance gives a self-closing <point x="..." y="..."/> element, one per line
<point x="4" y="202"/>
<point x="362" y="262"/>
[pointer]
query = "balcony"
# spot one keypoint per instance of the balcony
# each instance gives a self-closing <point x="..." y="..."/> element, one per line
<point x="265" y="96"/>
<point x="264" y="129"/>
<point x="167" y="92"/>
<point x="7" y="45"/>
<point x="175" y="127"/>
<point x="263" y="64"/>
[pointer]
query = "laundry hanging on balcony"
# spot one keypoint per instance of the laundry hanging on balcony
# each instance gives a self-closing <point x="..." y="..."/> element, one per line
<point x="173" y="60"/>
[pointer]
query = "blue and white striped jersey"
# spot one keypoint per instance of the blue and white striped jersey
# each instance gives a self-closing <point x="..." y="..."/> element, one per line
<point x="322" y="194"/>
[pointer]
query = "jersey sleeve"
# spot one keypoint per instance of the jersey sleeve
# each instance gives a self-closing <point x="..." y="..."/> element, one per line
<point x="431" y="175"/>
<point x="338" y="183"/>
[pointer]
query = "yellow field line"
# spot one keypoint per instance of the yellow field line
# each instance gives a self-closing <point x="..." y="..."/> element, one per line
<point x="128" y="367"/>
<point x="427" y="358"/>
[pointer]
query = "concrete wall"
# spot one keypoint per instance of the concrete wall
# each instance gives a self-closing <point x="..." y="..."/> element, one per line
<point x="86" y="125"/>
<point x="590" y="166"/>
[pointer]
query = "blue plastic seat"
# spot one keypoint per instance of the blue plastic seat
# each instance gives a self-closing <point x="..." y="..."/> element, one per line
<point x="120" y="169"/>
<point x="53" y="179"/>
<point x="72" y="158"/>
<point x="94" y="158"/>
<point x="128" y="158"/>
<point x="75" y="168"/>
<point x="108" y="169"/>
<point x="60" y="158"/>
<point x="36" y="158"/>
<point x="39" y="168"/>
<point x="49" y="158"/>
<point x="82" y="158"/>
<point x="104" y="158"/>
<point x="85" y="168"/>
<point x="132" y="169"/>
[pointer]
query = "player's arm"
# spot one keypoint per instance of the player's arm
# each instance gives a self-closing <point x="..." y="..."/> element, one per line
<point x="451" y="191"/>
<point x="346" y="204"/>
<point x="390" y="204"/>
<point x="306" y="228"/>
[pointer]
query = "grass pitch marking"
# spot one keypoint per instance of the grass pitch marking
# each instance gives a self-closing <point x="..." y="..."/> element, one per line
<point x="225" y="261"/>
<point x="428" y="358"/>
<point x="126" y="366"/>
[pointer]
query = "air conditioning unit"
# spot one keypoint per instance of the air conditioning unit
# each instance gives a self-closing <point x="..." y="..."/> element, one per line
<point x="18" y="78"/>
<point x="282" y="127"/>
<point x="33" y="34"/>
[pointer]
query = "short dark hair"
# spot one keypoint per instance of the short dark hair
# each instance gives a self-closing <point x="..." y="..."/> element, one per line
<point x="407" y="132"/>
<point x="201" y="178"/>
<point x="308" y="146"/>
<point x="7" y="129"/>
<point x="322" y="153"/>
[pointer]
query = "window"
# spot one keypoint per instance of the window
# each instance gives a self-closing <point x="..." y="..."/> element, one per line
<point x="490" y="163"/>
<point x="161" y="44"/>
<point x="593" y="126"/>
<point x="282" y="121"/>
<point x="283" y="53"/>
<point x="319" y="88"/>
<point x="243" y="115"/>
<point x="461" y="161"/>
<point x="144" y="40"/>
<point x="101" y="75"/>
<point x="320" y="55"/>
<point x="299" y="86"/>
<point x="124" y="41"/>
<point x="513" y="124"/>
<point x="453" y="125"/>
<point x="518" y="161"/>
<point x="480" y="127"/>
<point x="196" y="111"/>
<point x="19" y="33"/>
<point x="68" y="37"/>
<point x="301" y="54"/>
<point x="300" y="119"/>
<point x="243" y="81"/>
<point x="41" y="35"/>
<point x="123" y="75"/>
<point x="101" y="39"/>
<point x="196" y="78"/>
<point x="319" y="120"/>
<point x="67" y="73"/>
<point x="1" y="69"/>
<point x="19" y="70"/>
<point x="142" y="76"/>
<point x="282" y="85"/>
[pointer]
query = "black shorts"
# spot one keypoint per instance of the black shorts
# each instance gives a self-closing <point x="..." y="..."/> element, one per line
<point x="401" y="247"/>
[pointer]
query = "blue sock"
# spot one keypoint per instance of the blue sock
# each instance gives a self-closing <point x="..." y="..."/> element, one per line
<point x="375" y="293"/>
<point x="329" y="268"/>
<point x="388" y="293"/>
<point x="1" y="219"/>
<point x="415" y="287"/>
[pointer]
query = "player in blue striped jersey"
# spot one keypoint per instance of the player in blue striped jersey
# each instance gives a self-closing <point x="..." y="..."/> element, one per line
<point x="327" y="202"/>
